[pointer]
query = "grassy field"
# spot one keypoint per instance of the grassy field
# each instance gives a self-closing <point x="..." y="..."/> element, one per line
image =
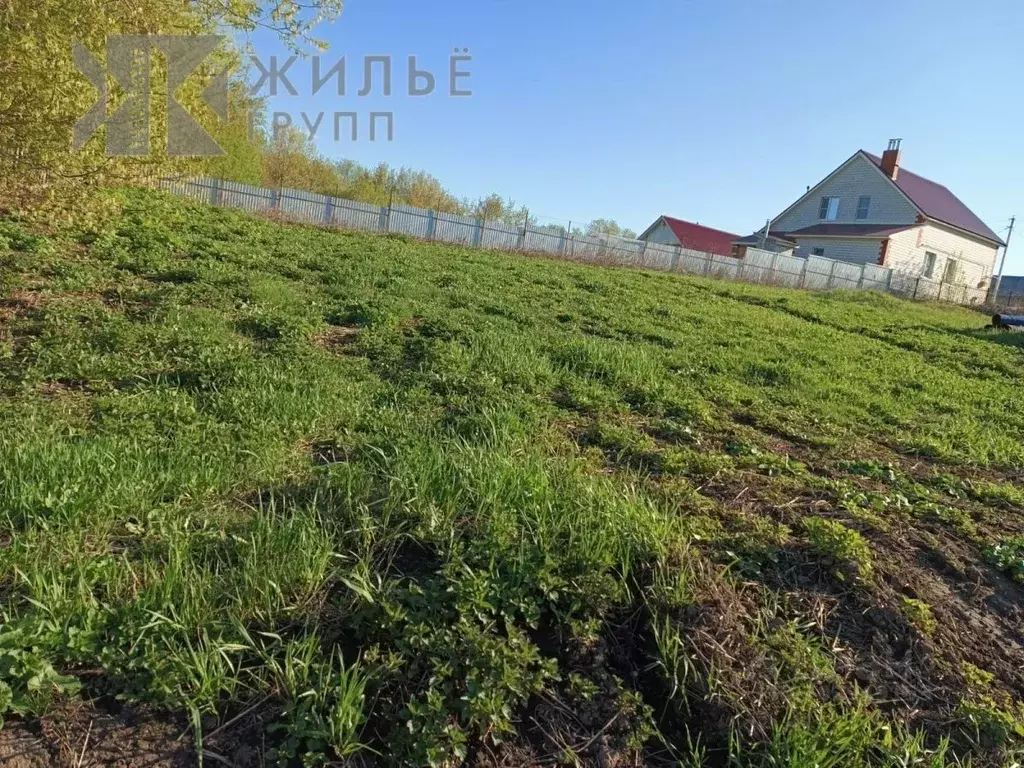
<point x="277" y="494"/>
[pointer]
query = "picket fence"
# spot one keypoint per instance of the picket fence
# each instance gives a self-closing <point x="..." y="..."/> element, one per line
<point x="813" y="273"/>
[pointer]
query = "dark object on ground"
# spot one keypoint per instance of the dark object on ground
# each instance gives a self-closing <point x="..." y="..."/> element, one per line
<point x="1008" y="322"/>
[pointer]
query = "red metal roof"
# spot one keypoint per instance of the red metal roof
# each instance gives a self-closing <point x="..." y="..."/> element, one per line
<point x="937" y="202"/>
<point x="697" y="237"/>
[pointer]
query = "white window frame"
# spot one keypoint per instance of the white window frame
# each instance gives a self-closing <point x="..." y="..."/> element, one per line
<point x="929" y="267"/>
<point x="863" y="203"/>
<point x="954" y="265"/>
<point x="828" y="208"/>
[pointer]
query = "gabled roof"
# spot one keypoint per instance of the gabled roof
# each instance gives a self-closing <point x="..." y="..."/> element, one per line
<point x="696" y="237"/>
<point x="937" y="202"/>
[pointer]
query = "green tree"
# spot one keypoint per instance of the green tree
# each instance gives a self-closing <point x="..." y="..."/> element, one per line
<point x="291" y="161"/>
<point x="609" y="227"/>
<point x="243" y="139"/>
<point x="505" y="210"/>
<point x="43" y="93"/>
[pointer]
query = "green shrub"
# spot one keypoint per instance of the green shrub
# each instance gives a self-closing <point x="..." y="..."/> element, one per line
<point x="843" y="546"/>
<point x="1008" y="556"/>
<point x="28" y="681"/>
<point x="14" y="238"/>
<point x="919" y="613"/>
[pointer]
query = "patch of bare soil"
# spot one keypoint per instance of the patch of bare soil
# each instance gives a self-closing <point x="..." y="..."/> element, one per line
<point x="15" y="306"/>
<point x="19" y="301"/>
<point x="337" y="338"/>
<point x="567" y="725"/>
<point x="508" y="755"/>
<point x="977" y="610"/>
<point x="325" y="452"/>
<point x="77" y="735"/>
<point x="241" y="741"/>
<point x="21" y="748"/>
<point x="918" y="673"/>
<point x="63" y="387"/>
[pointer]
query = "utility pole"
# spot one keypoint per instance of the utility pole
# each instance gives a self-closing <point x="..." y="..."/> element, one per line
<point x="767" y="232"/>
<point x="999" y="279"/>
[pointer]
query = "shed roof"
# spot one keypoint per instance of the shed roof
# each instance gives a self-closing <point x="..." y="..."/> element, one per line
<point x="783" y="238"/>
<point x="849" y="230"/>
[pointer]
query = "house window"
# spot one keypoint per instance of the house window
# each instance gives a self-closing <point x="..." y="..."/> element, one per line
<point x="863" y="206"/>
<point x="817" y="251"/>
<point x="929" y="264"/>
<point x="951" y="273"/>
<point x="829" y="210"/>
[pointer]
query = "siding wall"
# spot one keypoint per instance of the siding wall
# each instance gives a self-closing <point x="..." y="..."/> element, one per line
<point x="976" y="259"/>
<point x="662" y="235"/>
<point x="858" y="177"/>
<point x="857" y="250"/>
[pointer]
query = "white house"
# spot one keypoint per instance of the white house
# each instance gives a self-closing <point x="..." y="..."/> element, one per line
<point x="870" y="210"/>
<point x="667" y="230"/>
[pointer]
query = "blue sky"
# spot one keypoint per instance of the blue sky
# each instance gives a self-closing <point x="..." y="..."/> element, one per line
<point x="717" y="111"/>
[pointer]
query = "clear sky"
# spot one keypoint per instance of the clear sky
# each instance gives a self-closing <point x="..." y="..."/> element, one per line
<point x="717" y="111"/>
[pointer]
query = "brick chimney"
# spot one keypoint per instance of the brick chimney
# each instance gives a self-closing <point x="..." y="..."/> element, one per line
<point x="891" y="159"/>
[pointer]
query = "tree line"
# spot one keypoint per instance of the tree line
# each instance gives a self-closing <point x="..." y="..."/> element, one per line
<point x="286" y="158"/>
<point x="44" y="94"/>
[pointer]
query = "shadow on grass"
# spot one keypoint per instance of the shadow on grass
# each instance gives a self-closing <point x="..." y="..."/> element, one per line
<point x="1006" y="338"/>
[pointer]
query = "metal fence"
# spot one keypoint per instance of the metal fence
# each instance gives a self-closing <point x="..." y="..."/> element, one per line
<point x="820" y="274"/>
<point x="1011" y="295"/>
<point x="813" y="273"/>
<point x="1009" y="302"/>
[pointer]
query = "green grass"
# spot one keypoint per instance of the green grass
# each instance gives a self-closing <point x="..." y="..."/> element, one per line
<point x="420" y="502"/>
<point x="840" y="545"/>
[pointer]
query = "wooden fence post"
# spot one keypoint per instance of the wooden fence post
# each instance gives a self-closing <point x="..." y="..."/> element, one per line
<point x="831" y="275"/>
<point x="521" y="244"/>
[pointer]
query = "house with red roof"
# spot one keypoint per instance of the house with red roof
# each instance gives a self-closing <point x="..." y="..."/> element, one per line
<point x="695" y="237"/>
<point x="872" y="210"/>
